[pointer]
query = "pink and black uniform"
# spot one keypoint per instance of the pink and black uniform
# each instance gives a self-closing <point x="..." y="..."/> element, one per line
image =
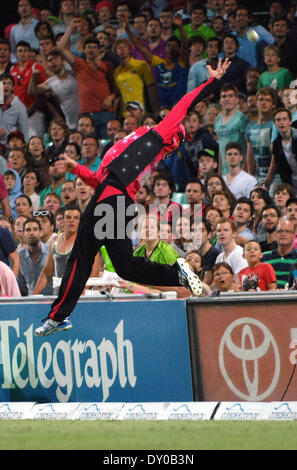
<point x="116" y="183"/>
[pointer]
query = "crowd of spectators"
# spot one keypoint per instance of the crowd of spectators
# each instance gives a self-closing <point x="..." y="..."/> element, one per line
<point x="78" y="80"/>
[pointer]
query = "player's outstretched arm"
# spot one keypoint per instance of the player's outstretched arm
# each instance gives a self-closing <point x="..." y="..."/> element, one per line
<point x="170" y="124"/>
<point x="66" y="163"/>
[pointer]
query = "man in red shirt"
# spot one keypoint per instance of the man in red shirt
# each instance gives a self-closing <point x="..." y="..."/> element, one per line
<point x="95" y="81"/>
<point x="22" y="72"/>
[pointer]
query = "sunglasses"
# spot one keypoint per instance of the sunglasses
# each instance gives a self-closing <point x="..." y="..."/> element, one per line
<point x="42" y="213"/>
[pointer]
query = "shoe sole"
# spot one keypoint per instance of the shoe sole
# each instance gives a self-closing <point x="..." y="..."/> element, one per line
<point x="68" y="327"/>
<point x="193" y="280"/>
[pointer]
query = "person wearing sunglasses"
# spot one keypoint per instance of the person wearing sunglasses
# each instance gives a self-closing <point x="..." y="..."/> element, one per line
<point x="47" y="222"/>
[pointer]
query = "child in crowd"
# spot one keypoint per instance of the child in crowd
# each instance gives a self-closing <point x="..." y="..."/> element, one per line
<point x="13" y="184"/>
<point x="275" y="77"/>
<point x="207" y="164"/>
<point x="196" y="259"/>
<point x="257" y="276"/>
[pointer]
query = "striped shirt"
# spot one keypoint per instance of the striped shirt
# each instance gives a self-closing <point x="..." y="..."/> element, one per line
<point x="14" y="117"/>
<point x="293" y="276"/>
<point x="281" y="264"/>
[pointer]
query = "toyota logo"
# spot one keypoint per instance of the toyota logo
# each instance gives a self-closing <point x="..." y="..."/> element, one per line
<point x="249" y="350"/>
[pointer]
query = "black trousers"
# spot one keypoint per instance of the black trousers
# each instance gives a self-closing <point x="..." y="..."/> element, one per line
<point x="104" y="222"/>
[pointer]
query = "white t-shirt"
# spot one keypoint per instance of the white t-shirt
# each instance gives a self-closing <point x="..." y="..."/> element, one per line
<point x="242" y="184"/>
<point x="67" y="92"/>
<point x="235" y="259"/>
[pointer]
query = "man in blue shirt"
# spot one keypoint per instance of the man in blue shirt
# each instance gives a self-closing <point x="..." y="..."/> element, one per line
<point x="250" y="49"/>
<point x="198" y="72"/>
<point x="25" y="29"/>
<point x="33" y="256"/>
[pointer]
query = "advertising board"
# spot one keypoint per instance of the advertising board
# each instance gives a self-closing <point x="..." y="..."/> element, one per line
<point x="117" y="351"/>
<point x="244" y="349"/>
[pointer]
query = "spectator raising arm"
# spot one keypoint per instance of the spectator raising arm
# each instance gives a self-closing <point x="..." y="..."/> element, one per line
<point x="185" y="50"/>
<point x="64" y="43"/>
<point x="33" y="87"/>
<point x="145" y="51"/>
<point x="148" y="55"/>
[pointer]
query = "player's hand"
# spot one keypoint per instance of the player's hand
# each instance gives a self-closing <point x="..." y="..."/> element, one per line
<point x="221" y="69"/>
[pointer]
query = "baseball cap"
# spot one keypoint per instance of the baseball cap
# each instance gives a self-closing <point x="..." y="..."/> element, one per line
<point x="207" y="153"/>
<point x="104" y="4"/>
<point x="134" y="105"/>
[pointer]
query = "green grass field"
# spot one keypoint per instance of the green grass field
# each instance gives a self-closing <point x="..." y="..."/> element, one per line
<point x="147" y="435"/>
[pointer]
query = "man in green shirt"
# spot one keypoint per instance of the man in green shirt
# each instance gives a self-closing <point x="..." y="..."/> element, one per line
<point x="197" y="25"/>
<point x="230" y="124"/>
<point x="275" y="76"/>
<point x="285" y="256"/>
<point x="259" y="136"/>
<point x="152" y="247"/>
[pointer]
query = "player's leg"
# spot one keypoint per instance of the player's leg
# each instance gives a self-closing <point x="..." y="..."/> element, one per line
<point x="77" y="271"/>
<point x="142" y="270"/>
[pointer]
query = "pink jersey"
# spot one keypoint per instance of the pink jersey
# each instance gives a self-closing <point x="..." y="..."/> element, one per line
<point x="134" y="154"/>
